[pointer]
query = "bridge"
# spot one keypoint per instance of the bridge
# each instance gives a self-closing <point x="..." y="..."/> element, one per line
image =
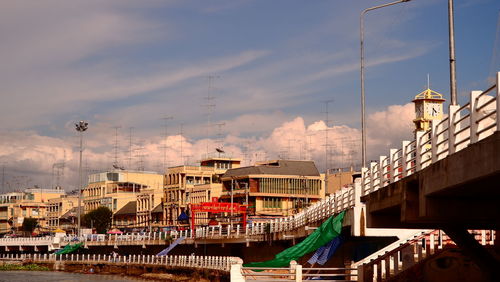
<point x="446" y="178"/>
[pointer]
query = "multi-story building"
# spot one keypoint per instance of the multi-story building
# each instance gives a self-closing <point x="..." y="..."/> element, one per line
<point x="274" y="188"/>
<point x="186" y="185"/>
<point x="126" y="193"/>
<point x="126" y="217"/>
<point x="115" y="189"/>
<point x="57" y="208"/>
<point x="32" y="202"/>
<point x="7" y="203"/>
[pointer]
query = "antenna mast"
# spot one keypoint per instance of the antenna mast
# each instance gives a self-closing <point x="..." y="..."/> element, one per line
<point x="220" y="137"/>
<point x="327" y="123"/>
<point x="210" y="105"/>
<point x="130" y="148"/>
<point x="165" y="145"/>
<point x="180" y="134"/>
<point x="115" y="147"/>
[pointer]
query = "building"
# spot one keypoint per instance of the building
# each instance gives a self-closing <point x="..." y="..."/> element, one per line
<point x="116" y="189"/>
<point x="337" y="179"/>
<point x="274" y="188"/>
<point x="31" y="203"/>
<point x="59" y="207"/>
<point x="186" y="185"/>
<point x="126" y="217"/>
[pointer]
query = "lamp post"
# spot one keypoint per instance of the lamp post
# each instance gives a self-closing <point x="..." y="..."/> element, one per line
<point x="362" y="34"/>
<point x="80" y="127"/>
<point x="453" y="76"/>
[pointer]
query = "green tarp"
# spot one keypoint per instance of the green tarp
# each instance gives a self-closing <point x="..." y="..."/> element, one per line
<point x="329" y="230"/>
<point x="69" y="249"/>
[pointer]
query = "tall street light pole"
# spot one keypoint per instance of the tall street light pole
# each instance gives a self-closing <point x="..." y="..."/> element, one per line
<point x="80" y="127"/>
<point x="362" y="34"/>
<point x="453" y="76"/>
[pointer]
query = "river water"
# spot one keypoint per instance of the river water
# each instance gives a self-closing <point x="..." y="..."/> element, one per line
<point x="52" y="276"/>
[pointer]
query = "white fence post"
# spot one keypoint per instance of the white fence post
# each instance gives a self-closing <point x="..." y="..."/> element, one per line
<point x="235" y="272"/>
<point x="392" y="165"/>
<point x="404" y="158"/>
<point x="418" y="150"/>
<point x="452" y="128"/>
<point x="474" y="115"/>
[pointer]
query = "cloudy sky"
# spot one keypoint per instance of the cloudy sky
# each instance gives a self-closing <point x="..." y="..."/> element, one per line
<point x="124" y="66"/>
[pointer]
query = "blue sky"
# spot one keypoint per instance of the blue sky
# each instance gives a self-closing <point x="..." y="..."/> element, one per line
<point x="130" y="63"/>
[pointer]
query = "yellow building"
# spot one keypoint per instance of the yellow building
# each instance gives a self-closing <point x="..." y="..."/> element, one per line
<point x="339" y="179"/>
<point x="31" y="203"/>
<point x="115" y="189"/>
<point x="186" y="185"/>
<point x="56" y="208"/>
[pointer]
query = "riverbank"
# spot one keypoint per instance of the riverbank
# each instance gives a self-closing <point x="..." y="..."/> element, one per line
<point x="94" y="272"/>
<point x="25" y="267"/>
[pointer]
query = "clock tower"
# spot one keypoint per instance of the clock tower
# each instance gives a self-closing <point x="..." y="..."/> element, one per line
<point x="428" y="107"/>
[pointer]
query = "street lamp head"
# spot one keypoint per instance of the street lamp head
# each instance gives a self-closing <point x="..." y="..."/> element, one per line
<point x="81" y="126"/>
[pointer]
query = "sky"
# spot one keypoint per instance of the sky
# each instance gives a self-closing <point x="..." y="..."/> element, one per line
<point x="146" y="74"/>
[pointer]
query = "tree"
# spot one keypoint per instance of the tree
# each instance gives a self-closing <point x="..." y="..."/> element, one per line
<point x="100" y="219"/>
<point x="29" y="224"/>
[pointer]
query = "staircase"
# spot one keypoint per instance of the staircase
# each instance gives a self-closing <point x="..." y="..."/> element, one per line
<point x="403" y="254"/>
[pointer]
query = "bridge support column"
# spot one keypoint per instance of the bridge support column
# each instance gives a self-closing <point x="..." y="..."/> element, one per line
<point x="471" y="247"/>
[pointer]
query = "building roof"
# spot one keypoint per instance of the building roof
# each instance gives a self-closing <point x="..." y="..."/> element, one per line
<point x="158" y="209"/>
<point x="278" y="167"/>
<point x="129" y="208"/>
<point x="73" y="212"/>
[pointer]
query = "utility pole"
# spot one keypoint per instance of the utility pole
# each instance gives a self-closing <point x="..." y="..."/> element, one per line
<point x="453" y="76"/>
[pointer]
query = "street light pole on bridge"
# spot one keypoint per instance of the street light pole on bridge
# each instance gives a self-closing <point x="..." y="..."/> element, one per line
<point x="362" y="34"/>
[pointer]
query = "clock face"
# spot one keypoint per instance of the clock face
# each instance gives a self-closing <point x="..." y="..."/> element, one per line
<point x="433" y="109"/>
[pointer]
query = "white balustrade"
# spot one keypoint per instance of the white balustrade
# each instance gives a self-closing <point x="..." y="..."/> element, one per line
<point x="463" y="126"/>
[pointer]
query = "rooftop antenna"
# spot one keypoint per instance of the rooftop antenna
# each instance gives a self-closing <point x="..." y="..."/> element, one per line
<point x="181" y="139"/>
<point x="140" y="155"/>
<point x="289" y="148"/>
<point x="130" y="147"/>
<point x="220" y="137"/>
<point x="3" y="177"/>
<point x="428" y="82"/>
<point x="165" y="145"/>
<point x="210" y="105"/>
<point x="115" y="147"/>
<point x="327" y="123"/>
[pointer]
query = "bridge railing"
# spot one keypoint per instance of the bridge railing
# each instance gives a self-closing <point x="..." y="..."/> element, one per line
<point x="26" y="241"/>
<point x="464" y="125"/>
<point x="202" y="262"/>
<point x="392" y="260"/>
<point x="319" y="211"/>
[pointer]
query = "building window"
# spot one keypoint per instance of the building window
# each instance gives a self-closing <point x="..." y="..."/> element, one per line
<point x="115" y="204"/>
<point x="272" y="203"/>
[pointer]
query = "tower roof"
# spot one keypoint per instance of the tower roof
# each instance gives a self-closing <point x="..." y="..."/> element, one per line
<point x="430" y="95"/>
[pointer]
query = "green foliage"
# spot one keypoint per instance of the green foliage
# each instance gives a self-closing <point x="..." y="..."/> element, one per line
<point x="33" y="267"/>
<point x="100" y="219"/>
<point x="29" y="224"/>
